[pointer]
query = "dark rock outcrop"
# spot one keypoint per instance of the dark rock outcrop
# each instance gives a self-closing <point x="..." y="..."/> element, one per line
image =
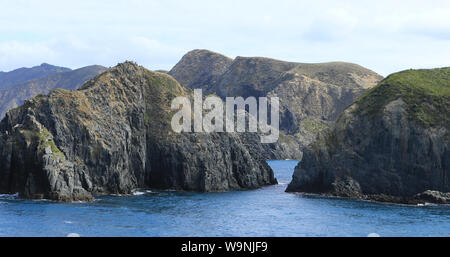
<point x="390" y="145"/>
<point x="430" y="196"/>
<point x="59" y="78"/>
<point x="311" y="95"/>
<point x="113" y="135"/>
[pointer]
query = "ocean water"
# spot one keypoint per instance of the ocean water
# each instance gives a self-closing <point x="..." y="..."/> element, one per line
<point x="268" y="211"/>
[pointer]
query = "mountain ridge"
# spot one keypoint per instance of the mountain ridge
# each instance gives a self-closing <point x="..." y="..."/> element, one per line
<point x="21" y="75"/>
<point x="67" y="79"/>
<point x="311" y="95"/>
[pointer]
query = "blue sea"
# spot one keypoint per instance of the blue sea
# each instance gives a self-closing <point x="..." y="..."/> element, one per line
<point x="268" y="211"/>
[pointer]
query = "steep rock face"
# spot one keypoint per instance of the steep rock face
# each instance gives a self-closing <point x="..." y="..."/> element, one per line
<point x="66" y="79"/>
<point x="311" y="95"/>
<point x="18" y="76"/>
<point x="392" y="144"/>
<point x="114" y="135"/>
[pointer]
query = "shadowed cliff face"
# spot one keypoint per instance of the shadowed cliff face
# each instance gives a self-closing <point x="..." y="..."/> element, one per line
<point x="114" y="135"/>
<point x="311" y="95"/>
<point x="392" y="144"/>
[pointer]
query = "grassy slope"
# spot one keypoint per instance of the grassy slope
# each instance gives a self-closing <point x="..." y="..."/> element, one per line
<point x="425" y="92"/>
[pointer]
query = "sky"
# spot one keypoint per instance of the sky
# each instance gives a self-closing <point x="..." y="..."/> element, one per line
<point x="385" y="36"/>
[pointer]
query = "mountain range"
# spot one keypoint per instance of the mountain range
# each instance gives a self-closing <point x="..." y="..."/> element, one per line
<point x="22" y="84"/>
<point x="21" y="75"/>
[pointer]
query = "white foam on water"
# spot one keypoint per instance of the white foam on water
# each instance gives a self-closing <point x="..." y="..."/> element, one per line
<point x="68" y="222"/>
<point x="42" y="200"/>
<point x="138" y="192"/>
<point x="373" y="235"/>
<point x="80" y="202"/>
<point x="10" y="196"/>
<point x="426" y="204"/>
<point x="73" y="235"/>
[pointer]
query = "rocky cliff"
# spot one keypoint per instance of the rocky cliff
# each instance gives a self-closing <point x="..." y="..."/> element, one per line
<point x="311" y="95"/>
<point x="113" y="135"/>
<point x="392" y="144"/>
<point x="59" y="78"/>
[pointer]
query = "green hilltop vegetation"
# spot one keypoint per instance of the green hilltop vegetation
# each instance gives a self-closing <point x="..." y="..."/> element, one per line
<point x="426" y="93"/>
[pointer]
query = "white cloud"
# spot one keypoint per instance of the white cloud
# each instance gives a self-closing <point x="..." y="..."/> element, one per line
<point x="382" y="35"/>
<point x="17" y="54"/>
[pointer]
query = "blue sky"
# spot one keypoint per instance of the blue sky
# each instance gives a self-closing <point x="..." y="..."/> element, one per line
<point x="385" y="36"/>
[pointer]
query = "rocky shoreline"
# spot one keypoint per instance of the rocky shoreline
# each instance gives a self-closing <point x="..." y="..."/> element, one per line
<point x="427" y="197"/>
